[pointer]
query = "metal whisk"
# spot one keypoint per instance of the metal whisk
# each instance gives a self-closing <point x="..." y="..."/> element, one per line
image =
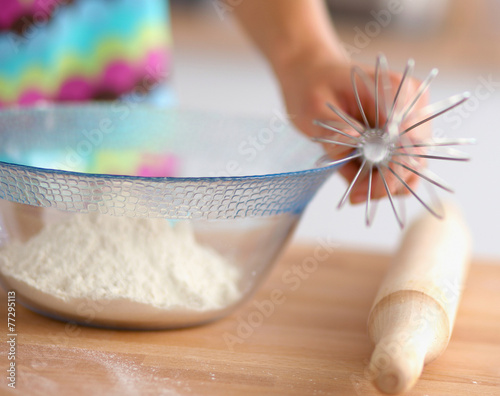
<point x="386" y="143"/>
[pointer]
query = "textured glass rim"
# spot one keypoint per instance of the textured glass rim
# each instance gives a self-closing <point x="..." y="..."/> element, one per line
<point x="104" y="176"/>
<point x="96" y="176"/>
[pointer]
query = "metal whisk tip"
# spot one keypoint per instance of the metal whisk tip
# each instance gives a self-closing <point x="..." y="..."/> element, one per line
<point x="381" y="145"/>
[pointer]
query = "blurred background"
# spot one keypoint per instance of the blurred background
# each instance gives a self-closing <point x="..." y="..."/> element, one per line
<point x="216" y="68"/>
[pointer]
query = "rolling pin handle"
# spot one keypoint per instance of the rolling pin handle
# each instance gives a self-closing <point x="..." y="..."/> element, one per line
<point x="397" y="362"/>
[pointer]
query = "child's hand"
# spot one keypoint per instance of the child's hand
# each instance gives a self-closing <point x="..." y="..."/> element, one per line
<point x="313" y="69"/>
<point x="309" y="84"/>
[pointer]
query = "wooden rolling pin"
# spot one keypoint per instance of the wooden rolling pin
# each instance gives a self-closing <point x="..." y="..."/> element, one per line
<point x="412" y="317"/>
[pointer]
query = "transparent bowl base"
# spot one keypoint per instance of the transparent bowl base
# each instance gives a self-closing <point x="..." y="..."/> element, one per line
<point x="251" y="245"/>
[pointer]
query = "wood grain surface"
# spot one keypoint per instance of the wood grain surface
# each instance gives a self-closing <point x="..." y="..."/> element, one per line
<point x="312" y="340"/>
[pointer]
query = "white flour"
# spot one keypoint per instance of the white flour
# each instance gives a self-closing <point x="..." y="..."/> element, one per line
<point x="121" y="269"/>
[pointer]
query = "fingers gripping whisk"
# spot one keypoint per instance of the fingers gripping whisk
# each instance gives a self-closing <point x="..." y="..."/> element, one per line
<point x="384" y="147"/>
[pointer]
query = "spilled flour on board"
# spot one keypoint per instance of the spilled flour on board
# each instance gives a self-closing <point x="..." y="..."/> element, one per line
<point x="106" y="373"/>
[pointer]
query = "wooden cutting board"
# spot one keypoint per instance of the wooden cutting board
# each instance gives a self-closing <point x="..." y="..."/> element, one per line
<point x="314" y="342"/>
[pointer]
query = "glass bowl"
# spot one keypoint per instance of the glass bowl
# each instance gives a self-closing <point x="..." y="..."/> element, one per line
<point x="140" y="218"/>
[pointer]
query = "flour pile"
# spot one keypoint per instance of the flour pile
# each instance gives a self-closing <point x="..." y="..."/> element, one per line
<point x="133" y="267"/>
